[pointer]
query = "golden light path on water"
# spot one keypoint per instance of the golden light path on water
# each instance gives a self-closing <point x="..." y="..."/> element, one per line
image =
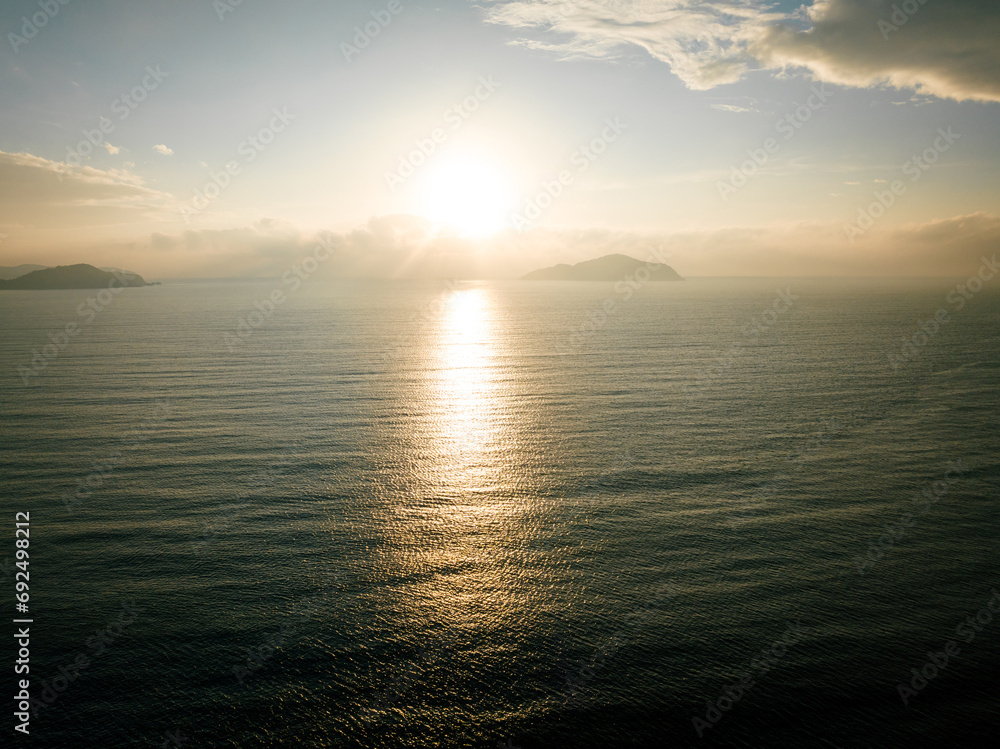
<point x="454" y="549"/>
<point x="459" y="512"/>
<point x="465" y="385"/>
<point x="471" y="423"/>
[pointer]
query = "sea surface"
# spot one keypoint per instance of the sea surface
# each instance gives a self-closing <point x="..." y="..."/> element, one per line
<point x="721" y="512"/>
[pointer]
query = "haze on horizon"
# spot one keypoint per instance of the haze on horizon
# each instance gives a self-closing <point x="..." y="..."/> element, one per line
<point x="201" y="139"/>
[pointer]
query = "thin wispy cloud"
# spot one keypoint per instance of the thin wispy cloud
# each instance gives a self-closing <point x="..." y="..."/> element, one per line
<point x="706" y="44"/>
<point x="52" y="194"/>
<point x="944" y="49"/>
<point x="166" y="151"/>
<point x="731" y="108"/>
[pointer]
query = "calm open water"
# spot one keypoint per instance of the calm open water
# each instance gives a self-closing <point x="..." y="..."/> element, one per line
<point x="405" y="514"/>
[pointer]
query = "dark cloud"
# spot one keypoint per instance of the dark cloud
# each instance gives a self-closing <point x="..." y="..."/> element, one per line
<point x="947" y="48"/>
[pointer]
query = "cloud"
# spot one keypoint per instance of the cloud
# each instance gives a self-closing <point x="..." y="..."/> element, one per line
<point x="386" y="247"/>
<point x="164" y="150"/>
<point x="944" y="48"/>
<point x="706" y="44"/>
<point x="943" y="248"/>
<point x="948" y="247"/>
<point x="49" y="194"/>
<point x="731" y="108"/>
<point x="39" y="197"/>
<point x="404" y="246"/>
<point x="113" y="150"/>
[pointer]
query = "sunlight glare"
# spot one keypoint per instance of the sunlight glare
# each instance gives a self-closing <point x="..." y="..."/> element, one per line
<point x="467" y="193"/>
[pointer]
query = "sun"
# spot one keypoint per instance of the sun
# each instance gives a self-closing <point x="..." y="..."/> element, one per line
<point x="467" y="193"/>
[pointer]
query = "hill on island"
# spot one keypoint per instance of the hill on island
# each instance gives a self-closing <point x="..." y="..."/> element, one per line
<point x="607" y="268"/>
<point x="80" y="276"/>
<point x="9" y="272"/>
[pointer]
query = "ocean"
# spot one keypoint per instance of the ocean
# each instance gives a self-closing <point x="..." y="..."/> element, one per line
<point x="723" y="512"/>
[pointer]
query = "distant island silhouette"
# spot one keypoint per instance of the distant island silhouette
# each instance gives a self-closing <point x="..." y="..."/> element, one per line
<point x="606" y="268"/>
<point x="79" y="276"/>
<point x="7" y="272"/>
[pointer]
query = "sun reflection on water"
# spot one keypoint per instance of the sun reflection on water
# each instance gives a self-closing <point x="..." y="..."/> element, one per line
<point x="465" y="385"/>
<point x="454" y="533"/>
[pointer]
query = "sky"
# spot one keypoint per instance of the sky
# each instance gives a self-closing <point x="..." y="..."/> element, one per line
<point x="225" y="138"/>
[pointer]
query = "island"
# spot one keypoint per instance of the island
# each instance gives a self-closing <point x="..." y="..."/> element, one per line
<point x="7" y="273"/>
<point x="79" y="276"/>
<point x="607" y="268"/>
